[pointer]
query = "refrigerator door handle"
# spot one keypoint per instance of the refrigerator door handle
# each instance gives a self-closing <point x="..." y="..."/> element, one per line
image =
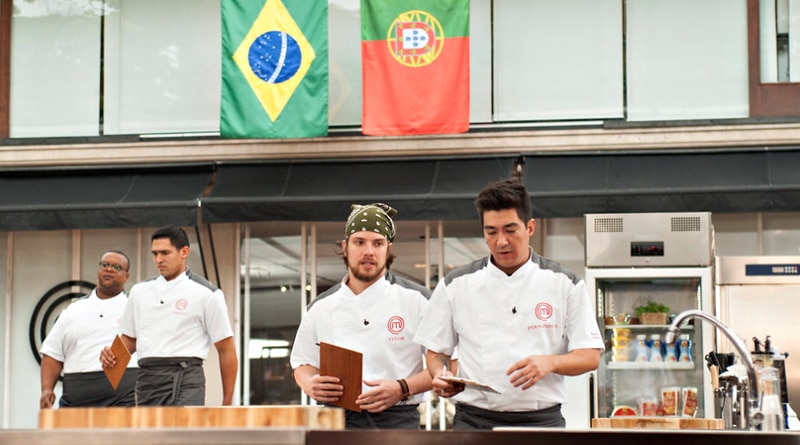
<point x="592" y="401"/>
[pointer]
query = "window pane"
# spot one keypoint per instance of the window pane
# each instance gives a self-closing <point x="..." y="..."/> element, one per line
<point x="55" y="66"/>
<point x="793" y="19"/>
<point x="779" y="40"/>
<point x="162" y="66"/>
<point x="344" y="62"/>
<point x="557" y="59"/>
<point x="686" y="59"/>
<point x="480" y="61"/>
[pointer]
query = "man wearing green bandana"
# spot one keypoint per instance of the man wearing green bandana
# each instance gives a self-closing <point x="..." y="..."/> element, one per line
<point x="373" y="312"/>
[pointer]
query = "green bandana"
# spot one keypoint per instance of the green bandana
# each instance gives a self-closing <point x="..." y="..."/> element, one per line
<point x="374" y="217"/>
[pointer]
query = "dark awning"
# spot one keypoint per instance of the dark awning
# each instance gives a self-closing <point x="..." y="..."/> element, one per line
<point x="324" y="190"/>
<point x="97" y="197"/>
<point x="693" y="180"/>
<point x="561" y="185"/>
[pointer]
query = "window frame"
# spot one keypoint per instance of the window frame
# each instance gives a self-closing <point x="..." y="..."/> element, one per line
<point x="766" y="99"/>
<point x="6" y="9"/>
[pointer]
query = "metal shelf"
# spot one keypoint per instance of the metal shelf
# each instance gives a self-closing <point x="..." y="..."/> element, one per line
<point x="646" y="327"/>
<point x="651" y="366"/>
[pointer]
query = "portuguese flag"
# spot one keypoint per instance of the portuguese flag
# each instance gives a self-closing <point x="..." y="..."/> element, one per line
<point x="415" y="66"/>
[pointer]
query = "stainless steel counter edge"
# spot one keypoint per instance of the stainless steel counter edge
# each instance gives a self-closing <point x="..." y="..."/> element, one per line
<point x="553" y="436"/>
<point x="304" y="436"/>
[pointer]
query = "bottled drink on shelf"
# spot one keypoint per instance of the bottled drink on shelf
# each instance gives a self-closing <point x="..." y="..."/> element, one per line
<point x="642" y="349"/>
<point x="684" y="349"/>
<point x="669" y="355"/>
<point x="655" y="348"/>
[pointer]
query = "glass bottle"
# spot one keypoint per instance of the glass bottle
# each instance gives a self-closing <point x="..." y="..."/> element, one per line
<point x="770" y="391"/>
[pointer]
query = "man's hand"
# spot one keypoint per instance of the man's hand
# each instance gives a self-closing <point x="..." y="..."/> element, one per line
<point x="324" y="388"/>
<point x="446" y="389"/>
<point x="530" y="370"/>
<point x="107" y="357"/>
<point x="385" y="395"/>
<point x="48" y="399"/>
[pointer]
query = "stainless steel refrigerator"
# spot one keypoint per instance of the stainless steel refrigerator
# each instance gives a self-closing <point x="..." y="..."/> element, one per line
<point x="759" y="296"/>
<point x="633" y="260"/>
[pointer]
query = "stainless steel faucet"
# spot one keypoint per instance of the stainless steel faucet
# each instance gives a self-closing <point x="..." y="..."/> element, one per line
<point x="754" y="416"/>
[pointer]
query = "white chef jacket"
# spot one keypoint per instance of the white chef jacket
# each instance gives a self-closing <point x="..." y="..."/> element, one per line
<point x="84" y="328"/>
<point x="380" y="322"/>
<point x="497" y="320"/>
<point x="182" y="317"/>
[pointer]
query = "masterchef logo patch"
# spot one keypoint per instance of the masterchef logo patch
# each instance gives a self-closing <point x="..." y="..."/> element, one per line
<point x="181" y="304"/>
<point x="543" y="311"/>
<point x="396" y="325"/>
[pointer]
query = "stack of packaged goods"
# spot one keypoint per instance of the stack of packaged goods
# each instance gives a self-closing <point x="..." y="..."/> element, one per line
<point x="620" y="344"/>
<point x="680" y="402"/>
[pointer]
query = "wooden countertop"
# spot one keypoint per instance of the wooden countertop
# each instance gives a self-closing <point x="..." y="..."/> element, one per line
<point x="150" y="417"/>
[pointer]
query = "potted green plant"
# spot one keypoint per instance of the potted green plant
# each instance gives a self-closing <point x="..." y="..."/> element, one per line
<point x="652" y="313"/>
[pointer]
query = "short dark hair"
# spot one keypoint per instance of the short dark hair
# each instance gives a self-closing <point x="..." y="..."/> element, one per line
<point x="121" y="253"/>
<point x="177" y="237"/>
<point x="503" y="195"/>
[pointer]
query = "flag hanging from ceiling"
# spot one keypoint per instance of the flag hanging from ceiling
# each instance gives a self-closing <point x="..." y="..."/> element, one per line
<point x="415" y="66"/>
<point x="274" y="68"/>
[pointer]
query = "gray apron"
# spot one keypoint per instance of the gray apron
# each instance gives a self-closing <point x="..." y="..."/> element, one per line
<point x="94" y="389"/>
<point x="171" y="381"/>
<point x="469" y="417"/>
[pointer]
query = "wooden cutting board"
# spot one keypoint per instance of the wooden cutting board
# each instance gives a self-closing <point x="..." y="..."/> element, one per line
<point x="319" y="417"/>
<point x="663" y="423"/>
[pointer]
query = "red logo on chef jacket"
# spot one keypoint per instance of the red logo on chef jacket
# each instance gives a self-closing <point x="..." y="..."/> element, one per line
<point x="396" y="324"/>
<point x="543" y="311"/>
<point x="181" y="304"/>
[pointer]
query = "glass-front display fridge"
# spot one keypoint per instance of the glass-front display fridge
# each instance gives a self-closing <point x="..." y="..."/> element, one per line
<point x="642" y="269"/>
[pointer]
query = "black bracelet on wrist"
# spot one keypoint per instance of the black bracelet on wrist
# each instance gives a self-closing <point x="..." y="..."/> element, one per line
<point x="404" y="389"/>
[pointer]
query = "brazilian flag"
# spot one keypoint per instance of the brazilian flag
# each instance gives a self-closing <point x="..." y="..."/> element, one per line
<point x="274" y="68"/>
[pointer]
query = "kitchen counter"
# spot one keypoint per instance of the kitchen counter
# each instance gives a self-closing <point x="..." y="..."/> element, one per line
<point x="553" y="436"/>
<point x="302" y="436"/>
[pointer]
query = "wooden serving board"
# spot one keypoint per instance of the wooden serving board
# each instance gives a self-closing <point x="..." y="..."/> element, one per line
<point x="318" y="417"/>
<point x="663" y="423"/>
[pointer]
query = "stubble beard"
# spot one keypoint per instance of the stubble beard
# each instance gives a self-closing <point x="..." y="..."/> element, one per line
<point x="364" y="277"/>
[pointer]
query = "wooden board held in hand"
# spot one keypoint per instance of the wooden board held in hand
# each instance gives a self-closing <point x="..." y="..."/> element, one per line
<point x="345" y="364"/>
<point x="115" y="374"/>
